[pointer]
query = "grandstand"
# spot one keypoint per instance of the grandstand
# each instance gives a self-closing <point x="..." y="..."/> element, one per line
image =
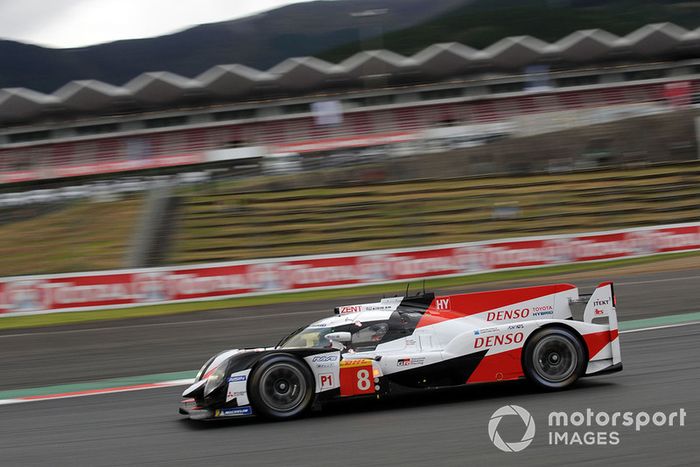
<point x="397" y="167"/>
<point x="76" y="236"/>
<point x="227" y="221"/>
<point x="220" y="225"/>
<point x="161" y="119"/>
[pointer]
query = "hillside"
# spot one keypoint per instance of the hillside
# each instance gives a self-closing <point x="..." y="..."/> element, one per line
<point x="263" y="40"/>
<point x="259" y="41"/>
<point x="483" y="22"/>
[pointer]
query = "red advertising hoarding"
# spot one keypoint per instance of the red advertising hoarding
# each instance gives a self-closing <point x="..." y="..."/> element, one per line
<point x="38" y="294"/>
<point x="103" y="167"/>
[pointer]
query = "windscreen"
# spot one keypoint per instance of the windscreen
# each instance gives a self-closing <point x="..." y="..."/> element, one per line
<point x="311" y="337"/>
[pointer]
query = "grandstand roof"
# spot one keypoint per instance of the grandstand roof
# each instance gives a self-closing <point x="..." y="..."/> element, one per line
<point x="296" y="75"/>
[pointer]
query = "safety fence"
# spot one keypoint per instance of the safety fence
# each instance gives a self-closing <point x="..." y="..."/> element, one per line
<point x="126" y="288"/>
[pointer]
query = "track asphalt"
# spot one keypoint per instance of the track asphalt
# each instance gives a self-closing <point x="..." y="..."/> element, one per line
<point x="662" y="371"/>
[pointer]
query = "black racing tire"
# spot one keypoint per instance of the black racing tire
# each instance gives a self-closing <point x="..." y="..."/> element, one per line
<point x="281" y="387"/>
<point x="554" y="358"/>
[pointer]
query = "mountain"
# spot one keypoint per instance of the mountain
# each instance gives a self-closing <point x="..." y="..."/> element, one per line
<point x="483" y="22"/>
<point x="259" y="41"/>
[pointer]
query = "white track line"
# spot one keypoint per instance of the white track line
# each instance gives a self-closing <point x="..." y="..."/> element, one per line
<point x="665" y="326"/>
<point x="670" y="279"/>
<point x="176" y="323"/>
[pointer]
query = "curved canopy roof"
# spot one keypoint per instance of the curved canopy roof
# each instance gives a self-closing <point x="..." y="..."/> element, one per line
<point x="294" y="75"/>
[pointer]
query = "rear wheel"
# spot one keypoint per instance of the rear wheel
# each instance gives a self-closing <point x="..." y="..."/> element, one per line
<point x="554" y="358"/>
<point x="281" y="387"/>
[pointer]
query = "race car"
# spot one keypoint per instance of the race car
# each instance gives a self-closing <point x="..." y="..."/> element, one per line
<point x="413" y="343"/>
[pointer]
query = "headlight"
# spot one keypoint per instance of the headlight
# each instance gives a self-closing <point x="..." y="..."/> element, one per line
<point x="215" y="379"/>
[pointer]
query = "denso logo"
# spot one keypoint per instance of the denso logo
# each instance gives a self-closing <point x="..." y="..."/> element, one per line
<point x="500" y="315"/>
<point x="325" y="358"/>
<point x="505" y="339"/>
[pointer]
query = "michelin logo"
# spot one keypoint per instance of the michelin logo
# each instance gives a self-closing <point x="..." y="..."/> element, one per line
<point x="236" y="412"/>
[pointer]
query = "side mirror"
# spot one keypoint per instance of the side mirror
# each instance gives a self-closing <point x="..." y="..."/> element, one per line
<point x="339" y="336"/>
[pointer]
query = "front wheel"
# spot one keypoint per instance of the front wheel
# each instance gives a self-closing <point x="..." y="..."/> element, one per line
<point x="281" y="387"/>
<point x="554" y="358"/>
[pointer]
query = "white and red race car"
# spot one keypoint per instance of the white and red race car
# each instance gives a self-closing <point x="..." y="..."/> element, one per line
<point x="419" y="342"/>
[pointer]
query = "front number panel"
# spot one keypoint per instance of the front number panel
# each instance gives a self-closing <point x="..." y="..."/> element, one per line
<point x="356" y="378"/>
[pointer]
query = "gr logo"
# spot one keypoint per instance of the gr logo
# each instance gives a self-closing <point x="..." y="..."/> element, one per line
<point x="527" y="436"/>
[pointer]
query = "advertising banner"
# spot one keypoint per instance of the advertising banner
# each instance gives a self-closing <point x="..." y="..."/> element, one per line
<point x="104" y="167"/>
<point x="106" y="289"/>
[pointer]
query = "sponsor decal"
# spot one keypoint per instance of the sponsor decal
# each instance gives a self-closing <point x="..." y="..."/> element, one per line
<point x="379" y="307"/>
<point x="343" y="310"/>
<point x="598" y="311"/>
<point x="237" y="378"/>
<point x="601" y="302"/>
<point x="513" y="327"/>
<point x="505" y="339"/>
<point x="442" y="303"/>
<point x="325" y="358"/>
<point x="410" y="361"/>
<point x="234" y="412"/>
<point x="503" y="315"/>
<point x="478" y="332"/>
<point x="355" y="363"/>
<point x="543" y="313"/>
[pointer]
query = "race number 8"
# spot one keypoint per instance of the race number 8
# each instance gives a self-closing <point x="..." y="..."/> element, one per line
<point x="356" y="378"/>
<point x="363" y="382"/>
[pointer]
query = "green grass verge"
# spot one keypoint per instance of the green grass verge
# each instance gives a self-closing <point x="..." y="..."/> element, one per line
<point x="55" y="319"/>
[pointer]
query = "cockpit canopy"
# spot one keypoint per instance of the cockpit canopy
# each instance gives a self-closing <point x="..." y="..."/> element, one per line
<point x="365" y="335"/>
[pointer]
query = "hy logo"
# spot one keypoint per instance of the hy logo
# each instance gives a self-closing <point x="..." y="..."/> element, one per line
<point x="527" y="436"/>
<point x="443" y="303"/>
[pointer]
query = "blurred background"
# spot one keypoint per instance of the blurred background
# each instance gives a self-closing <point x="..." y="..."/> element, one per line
<point x="390" y="124"/>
